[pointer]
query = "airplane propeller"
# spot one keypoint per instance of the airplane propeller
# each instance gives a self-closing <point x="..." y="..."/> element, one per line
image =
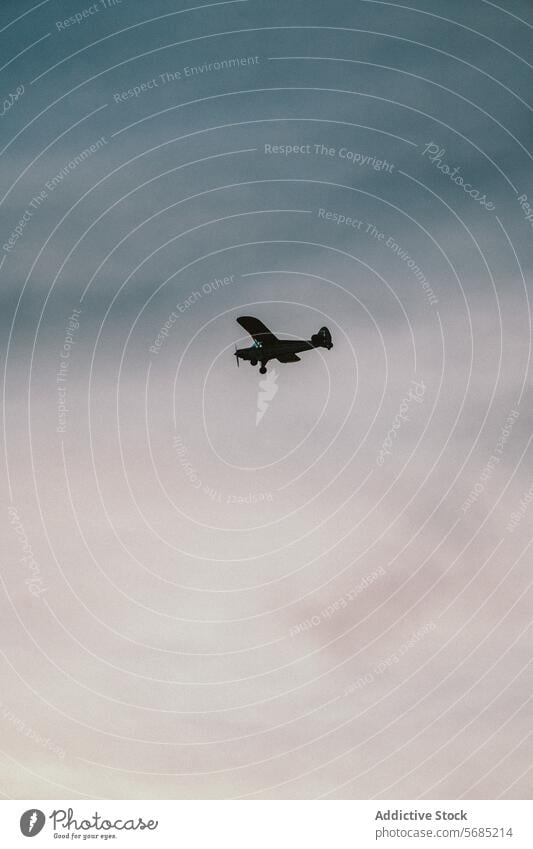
<point x="236" y="354"/>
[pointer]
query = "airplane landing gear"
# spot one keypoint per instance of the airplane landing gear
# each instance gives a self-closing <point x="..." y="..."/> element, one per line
<point x="262" y="370"/>
<point x="253" y="362"/>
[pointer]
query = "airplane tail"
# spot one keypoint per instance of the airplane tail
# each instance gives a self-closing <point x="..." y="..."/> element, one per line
<point x="322" y="339"/>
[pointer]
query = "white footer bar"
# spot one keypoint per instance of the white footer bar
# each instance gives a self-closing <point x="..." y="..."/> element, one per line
<point x="272" y="824"/>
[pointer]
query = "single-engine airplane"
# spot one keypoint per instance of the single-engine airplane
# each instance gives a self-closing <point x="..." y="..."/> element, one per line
<point x="268" y="347"/>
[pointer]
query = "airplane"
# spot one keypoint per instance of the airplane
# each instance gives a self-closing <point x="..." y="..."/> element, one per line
<point x="268" y="347"/>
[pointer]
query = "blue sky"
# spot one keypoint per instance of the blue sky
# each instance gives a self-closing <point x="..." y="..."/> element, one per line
<point x="159" y="657"/>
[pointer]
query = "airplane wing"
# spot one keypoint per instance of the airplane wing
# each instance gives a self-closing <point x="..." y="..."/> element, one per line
<point x="257" y="329"/>
<point x="288" y="358"/>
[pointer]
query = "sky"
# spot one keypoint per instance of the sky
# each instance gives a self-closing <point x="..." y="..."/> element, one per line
<point x="306" y="584"/>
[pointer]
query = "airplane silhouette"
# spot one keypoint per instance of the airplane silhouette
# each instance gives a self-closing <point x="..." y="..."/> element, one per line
<point x="268" y="347"/>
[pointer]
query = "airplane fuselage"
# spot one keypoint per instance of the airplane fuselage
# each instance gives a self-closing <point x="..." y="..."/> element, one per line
<point x="264" y="352"/>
